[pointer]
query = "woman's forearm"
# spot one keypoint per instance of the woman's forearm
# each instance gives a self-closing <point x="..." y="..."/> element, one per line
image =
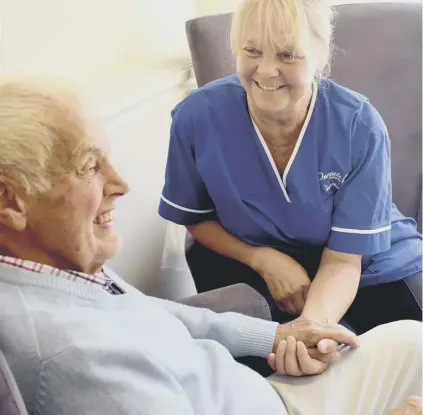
<point x="213" y="236"/>
<point x="334" y="288"/>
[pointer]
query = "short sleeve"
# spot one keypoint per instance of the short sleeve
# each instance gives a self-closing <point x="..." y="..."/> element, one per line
<point x="184" y="199"/>
<point x="361" y="220"/>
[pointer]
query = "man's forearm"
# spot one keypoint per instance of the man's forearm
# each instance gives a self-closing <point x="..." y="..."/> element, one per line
<point x="241" y="335"/>
<point x="334" y="287"/>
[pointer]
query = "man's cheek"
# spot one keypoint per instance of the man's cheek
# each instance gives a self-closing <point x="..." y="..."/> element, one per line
<point x="91" y="208"/>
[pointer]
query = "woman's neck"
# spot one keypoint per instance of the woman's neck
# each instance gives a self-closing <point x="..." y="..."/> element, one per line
<point x="285" y="125"/>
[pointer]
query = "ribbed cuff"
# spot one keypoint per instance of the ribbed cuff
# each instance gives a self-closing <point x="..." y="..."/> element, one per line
<point x="256" y="338"/>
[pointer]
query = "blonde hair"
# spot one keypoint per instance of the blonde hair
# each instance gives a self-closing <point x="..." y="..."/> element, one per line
<point x="290" y="17"/>
<point x="36" y="115"/>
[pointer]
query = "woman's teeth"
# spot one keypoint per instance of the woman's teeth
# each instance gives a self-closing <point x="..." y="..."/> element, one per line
<point x="104" y="218"/>
<point x="268" y="88"/>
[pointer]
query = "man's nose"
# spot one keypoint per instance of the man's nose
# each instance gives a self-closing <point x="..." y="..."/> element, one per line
<point x="116" y="185"/>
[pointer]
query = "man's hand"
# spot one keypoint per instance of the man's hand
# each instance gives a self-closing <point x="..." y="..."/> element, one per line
<point x="292" y="358"/>
<point x="411" y="406"/>
<point x="326" y="351"/>
<point x="302" y="336"/>
<point x="287" y="281"/>
<point x="311" y="333"/>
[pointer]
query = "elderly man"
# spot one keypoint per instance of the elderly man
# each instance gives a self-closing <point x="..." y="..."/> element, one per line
<point x="82" y="342"/>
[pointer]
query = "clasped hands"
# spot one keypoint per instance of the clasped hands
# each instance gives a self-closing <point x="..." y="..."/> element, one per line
<point x="305" y="347"/>
<point x="302" y="347"/>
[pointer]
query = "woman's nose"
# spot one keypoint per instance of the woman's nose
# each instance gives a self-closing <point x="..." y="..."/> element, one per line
<point x="268" y="67"/>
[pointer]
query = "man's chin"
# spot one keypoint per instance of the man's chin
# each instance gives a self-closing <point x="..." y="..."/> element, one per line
<point x="110" y="248"/>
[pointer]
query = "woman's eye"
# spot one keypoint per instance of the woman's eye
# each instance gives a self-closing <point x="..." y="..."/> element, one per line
<point x="252" y="51"/>
<point x="287" y="56"/>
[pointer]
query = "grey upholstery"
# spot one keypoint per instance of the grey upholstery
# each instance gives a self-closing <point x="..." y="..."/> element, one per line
<point x="238" y="298"/>
<point x="208" y="39"/>
<point x="11" y="402"/>
<point x="379" y="54"/>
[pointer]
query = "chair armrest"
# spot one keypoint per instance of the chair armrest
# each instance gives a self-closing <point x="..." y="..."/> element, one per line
<point x="11" y="401"/>
<point x="238" y="298"/>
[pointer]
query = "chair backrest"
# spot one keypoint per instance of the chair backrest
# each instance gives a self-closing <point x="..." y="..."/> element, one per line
<point x="379" y="53"/>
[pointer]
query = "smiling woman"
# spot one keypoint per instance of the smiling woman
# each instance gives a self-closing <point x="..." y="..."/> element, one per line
<point x="283" y="177"/>
<point x="264" y="31"/>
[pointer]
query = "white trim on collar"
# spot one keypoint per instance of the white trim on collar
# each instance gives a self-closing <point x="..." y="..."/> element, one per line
<point x="282" y="181"/>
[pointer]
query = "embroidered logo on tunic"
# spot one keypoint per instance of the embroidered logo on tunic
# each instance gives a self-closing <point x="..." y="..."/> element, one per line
<point x="331" y="181"/>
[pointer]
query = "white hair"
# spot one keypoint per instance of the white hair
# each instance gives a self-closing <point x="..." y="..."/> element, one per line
<point x="293" y="18"/>
<point x="36" y="114"/>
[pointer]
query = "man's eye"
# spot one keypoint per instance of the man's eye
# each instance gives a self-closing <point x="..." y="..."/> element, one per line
<point x="92" y="168"/>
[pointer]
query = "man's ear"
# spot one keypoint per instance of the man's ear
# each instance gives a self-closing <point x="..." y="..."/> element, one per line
<point x="13" y="213"/>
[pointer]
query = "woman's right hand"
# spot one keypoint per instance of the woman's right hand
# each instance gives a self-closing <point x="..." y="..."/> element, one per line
<point x="286" y="279"/>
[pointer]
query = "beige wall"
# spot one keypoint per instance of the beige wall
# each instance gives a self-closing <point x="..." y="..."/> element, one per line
<point x="205" y="7"/>
<point x="92" y="39"/>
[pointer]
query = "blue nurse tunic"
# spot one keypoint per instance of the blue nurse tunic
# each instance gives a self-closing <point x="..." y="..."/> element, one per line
<point x="335" y="191"/>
